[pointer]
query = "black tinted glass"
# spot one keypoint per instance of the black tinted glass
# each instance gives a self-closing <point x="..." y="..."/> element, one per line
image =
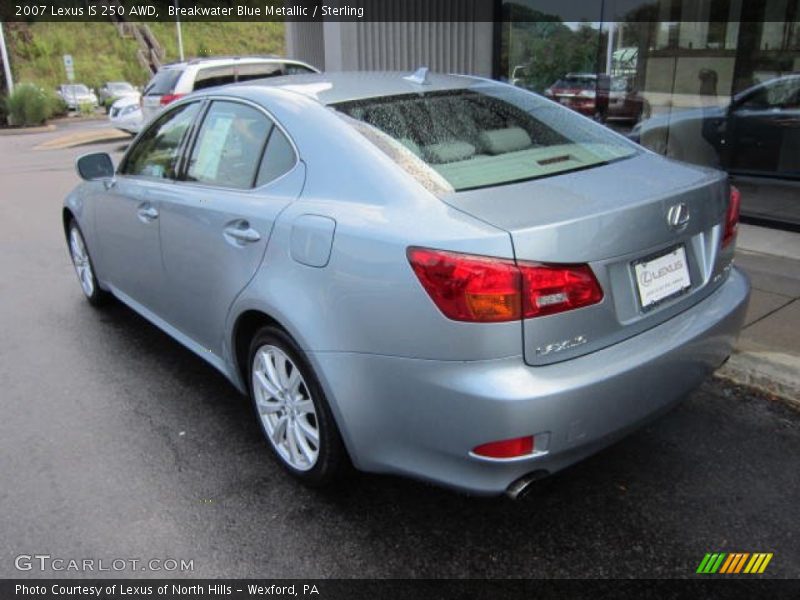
<point x="156" y="152"/>
<point x="213" y="76"/>
<point x="163" y="82"/>
<point x="279" y="158"/>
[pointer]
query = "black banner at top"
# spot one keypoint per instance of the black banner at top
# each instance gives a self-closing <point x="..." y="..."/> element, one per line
<point x="371" y="10"/>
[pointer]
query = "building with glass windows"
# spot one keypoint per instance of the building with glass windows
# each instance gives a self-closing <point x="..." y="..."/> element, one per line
<point x="715" y="82"/>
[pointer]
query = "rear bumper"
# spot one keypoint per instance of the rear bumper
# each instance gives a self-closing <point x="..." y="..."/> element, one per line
<point x="422" y="417"/>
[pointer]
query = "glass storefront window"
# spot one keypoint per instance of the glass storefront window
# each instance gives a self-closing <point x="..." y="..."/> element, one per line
<point x="711" y="82"/>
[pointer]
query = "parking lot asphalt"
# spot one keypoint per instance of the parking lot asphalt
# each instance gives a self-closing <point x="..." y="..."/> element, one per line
<point x="115" y="442"/>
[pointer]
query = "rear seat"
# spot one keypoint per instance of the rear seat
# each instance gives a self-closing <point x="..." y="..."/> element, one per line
<point x="502" y="141"/>
<point x="447" y="152"/>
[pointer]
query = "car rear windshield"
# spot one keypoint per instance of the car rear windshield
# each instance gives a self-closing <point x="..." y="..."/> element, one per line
<point x="485" y="135"/>
<point x="163" y="82"/>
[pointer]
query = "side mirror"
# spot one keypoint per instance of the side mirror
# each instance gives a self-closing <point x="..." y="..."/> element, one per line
<point x="97" y="165"/>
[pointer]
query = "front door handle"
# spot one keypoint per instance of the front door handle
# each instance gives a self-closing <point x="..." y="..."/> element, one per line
<point x="242" y="233"/>
<point x="147" y="213"/>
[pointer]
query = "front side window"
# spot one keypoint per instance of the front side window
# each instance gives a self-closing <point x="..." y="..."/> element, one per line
<point x="156" y="153"/>
<point x="229" y="146"/>
<point x="782" y="93"/>
<point x="484" y="135"/>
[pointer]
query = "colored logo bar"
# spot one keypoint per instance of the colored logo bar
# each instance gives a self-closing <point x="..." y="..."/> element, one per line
<point x="734" y="563"/>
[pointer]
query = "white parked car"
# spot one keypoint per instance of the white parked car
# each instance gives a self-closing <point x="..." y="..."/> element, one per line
<point x="77" y="94"/>
<point x="174" y="81"/>
<point x="126" y="114"/>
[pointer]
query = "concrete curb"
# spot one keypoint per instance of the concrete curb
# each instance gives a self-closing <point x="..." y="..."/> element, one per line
<point x="83" y="137"/>
<point x="24" y="130"/>
<point x="773" y="372"/>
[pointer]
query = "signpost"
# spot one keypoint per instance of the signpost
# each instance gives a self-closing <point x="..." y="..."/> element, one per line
<point x="70" y="67"/>
<point x="6" y="66"/>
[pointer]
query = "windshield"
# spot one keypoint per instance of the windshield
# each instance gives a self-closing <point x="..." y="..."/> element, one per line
<point x="485" y="135"/>
<point x="77" y="89"/>
<point x="120" y="87"/>
<point x="581" y="83"/>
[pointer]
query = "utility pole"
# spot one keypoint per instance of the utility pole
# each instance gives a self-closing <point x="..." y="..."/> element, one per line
<point x="180" y="34"/>
<point x="6" y="64"/>
<point x="610" y="47"/>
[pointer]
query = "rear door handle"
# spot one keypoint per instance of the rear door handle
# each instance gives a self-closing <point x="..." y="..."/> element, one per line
<point x="242" y="233"/>
<point x="147" y="213"/>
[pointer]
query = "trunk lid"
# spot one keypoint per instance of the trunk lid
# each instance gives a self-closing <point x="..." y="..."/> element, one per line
<point x="612" y="217"/>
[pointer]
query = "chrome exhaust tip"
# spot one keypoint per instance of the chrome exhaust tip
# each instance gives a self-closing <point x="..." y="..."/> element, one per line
<point x="520" y="488"/>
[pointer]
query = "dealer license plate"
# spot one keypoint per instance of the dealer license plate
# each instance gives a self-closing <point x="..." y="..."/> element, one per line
<point x="662" y="277"/>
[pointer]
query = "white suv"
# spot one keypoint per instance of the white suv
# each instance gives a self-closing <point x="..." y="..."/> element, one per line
<point x="178" y="79"/>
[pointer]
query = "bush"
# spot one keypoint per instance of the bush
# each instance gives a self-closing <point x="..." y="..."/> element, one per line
<point x="86" y="109"/>
<point x="28" y="106"/>
<point x="58" y="108"/>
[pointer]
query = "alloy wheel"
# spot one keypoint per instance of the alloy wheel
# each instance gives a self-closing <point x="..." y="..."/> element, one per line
<point x="80" y="259"/>
<point x="285" y="407"/>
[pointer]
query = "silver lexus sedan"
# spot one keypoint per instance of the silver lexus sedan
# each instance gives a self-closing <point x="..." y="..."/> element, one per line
<point x="443" y="277"/>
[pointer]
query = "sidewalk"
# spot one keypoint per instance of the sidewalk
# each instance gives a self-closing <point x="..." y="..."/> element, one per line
<point x="767" y="356"/>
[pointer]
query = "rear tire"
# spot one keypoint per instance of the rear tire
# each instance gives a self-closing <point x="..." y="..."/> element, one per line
<point x="292" y="410"/>
<point x="84" y="267"/>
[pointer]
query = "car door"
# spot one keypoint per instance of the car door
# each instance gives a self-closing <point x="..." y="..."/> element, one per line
<point x="242" y="171"/>
<point x="765" y="131"/>
<point x="127" y="218"/>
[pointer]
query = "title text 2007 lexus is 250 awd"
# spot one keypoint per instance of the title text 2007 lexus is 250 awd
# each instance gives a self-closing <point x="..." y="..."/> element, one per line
<point x="438" y="276"/>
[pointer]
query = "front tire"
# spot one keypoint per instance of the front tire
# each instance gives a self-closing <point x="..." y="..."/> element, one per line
<point x="84" y="267"/>
<point x="292" y="410"/>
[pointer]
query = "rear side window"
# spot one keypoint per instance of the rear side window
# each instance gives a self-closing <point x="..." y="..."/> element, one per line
<point x="485" y="135"/>
<point x="229" y="146"/>
<point x="294" y="69"/>
<point x="156" y="153"/>
<point x="247" y="72"/>
<point x="213" y="76"/>
<point x="279" y="158"/>
<point x="163" y="82"/>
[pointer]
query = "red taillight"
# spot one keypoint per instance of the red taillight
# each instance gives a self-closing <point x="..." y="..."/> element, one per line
<point x="489" y="290"/>
<point x="469" y="288"/>
<point x="169" y="98"/>
<point x="549" y="289"/>
<point x="732" y="217"/>
<point x="513" y="448"/>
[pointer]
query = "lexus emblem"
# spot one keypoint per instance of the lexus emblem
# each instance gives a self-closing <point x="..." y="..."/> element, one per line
<point x="678" y="216"/>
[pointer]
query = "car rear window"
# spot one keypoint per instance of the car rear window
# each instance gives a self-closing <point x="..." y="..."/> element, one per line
<point x="163" y="82"/>
<point x="485" y="135"/>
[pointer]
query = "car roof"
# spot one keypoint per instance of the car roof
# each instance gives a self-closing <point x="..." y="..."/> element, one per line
<point x="334" y="87"/>
<point x="220" y="61"/>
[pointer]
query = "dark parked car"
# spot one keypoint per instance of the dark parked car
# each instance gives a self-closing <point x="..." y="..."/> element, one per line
<point x="625" y="102"/>
<point x="757" y="134"/>
<point x="586" y="93"/>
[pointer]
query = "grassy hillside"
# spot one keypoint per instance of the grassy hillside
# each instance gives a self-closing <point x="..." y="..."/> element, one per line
<point x="100" y="54"/>
<point x="205" y="39"/>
